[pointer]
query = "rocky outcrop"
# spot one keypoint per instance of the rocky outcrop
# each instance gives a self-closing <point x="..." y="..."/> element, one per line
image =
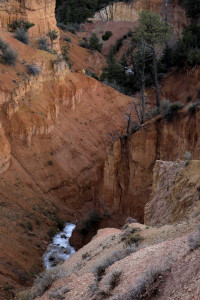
<point x="175" y="192"/>
<point x="128" y="170"/>
<point x="127" y="12"/>
<point x="41" y="13"/>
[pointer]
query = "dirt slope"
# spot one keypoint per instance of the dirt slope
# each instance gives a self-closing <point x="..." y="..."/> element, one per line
<point x="81" y="58"/>
<point x="160" y="267"/>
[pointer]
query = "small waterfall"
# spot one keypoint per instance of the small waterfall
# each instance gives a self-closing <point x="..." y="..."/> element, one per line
<point x="60" y="249"/>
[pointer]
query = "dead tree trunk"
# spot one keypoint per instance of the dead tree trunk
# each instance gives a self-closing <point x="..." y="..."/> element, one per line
<point x="166" y="12"/>
<point x="155" y="71"/>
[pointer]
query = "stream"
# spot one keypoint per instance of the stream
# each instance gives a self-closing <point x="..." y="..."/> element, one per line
<point x="60" y="249"/>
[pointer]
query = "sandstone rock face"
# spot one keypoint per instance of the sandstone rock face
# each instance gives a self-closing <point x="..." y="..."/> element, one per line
<point x="41" y="13"/>
<point x="121" y="11"/>
<point x="128" y="170"/>
<point x="175" y="192"/>
<point x="4" y="151"/>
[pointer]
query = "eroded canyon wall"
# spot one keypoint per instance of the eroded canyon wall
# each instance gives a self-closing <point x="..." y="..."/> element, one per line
<point x="41" y="13"/>
<point x="54" y="132"/>
<point x="128" y="12"/>
<point x="128" y="170"/>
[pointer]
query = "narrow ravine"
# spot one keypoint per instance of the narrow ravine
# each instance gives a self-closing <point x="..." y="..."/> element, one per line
<point x="60" y="249"/>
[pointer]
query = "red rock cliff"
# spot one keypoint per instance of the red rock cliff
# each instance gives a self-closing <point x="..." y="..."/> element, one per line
<point x="128" y="170"/>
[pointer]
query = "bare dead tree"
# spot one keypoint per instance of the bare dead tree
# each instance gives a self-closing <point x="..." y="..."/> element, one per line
<point x="166" y="12"/>
<point x="141" y="57"/>
<point x="129" y="115"/>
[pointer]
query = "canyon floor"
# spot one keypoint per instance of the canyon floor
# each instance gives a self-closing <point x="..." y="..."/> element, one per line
<point x="64" y="156"/>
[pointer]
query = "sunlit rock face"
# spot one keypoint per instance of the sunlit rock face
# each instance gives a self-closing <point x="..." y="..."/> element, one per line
<point x="41" y="13"/>
<point x="127" y="12"/>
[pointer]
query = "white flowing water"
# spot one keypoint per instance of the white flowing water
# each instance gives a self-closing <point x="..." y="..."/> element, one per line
<point x="60" y="249"/>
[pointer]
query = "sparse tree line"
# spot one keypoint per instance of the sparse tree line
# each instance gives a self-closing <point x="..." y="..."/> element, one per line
<point x="151" y="55"/>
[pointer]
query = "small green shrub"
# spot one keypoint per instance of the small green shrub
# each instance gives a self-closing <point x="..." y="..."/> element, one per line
<point x="68" y="39"/>
<point x="86" y="256"/>
<point x="26" y="25"/>
<point x="96" y="293"/>
<point x="129" y="249"/>
<point x="188" y="99"/>
<point x="43" y="44"/>
<point x="118" y="45"/>
<point x="113" y="84"/>
<point x="169" y="110"/>
<point x="9" y="56"/>
<point x="22" y="36"/>
<point x="192" y="108"/>
<point x="91" y="74"/>
<point x="33" y="69"/>
<point x="95" y="43"/>
<point x="107" y="35"/>
<point x="65" y="55"/>
<point x="113" y="279"/>
<point x="133" y="239"/>
<point x="193" y="57"/>
<point x="100" y="268"/>
<point x="147" y="286"/>
<point x="130" y="33"/>
<point x="59" y="293"/>
<point x="152" y="113"/>
<point x="187" y="155"/>
<point x="71" y="27"/>
<point x="194" y="240"/>
<point x="41" y="284"/>
<point x="84" y="44"/>
<point x="29" y="226"/>
<point x="3" y="45"/>
<point x="128" y="232"/>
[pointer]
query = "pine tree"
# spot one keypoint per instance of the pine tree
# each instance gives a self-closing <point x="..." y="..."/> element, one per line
<point x="95" y="43"/>
<point x="113" y="72"/>
<point x="154" y="32"/>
